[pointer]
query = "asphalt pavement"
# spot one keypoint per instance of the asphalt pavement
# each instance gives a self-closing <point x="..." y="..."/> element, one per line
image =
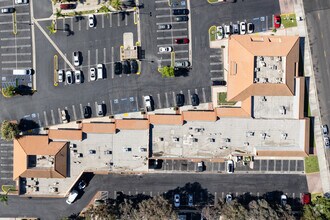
<point x="212" y="185"/>
<point x="317" y="18"/>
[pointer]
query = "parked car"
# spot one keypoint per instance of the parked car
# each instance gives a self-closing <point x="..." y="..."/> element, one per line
<point x="177" y="200"/>
<point x="326" y="141"/>
<point x="190" y="200"/>
<point x="7" y="10"/>
<point x="165" y="49"/>
<point x="228" y="30"/>
<point x="250" y="28"/>
<point x="242" y="26"/>
<point x="182" y="41"/>
<point x="219" y="33"/>
<point x="148" y="102"/>
<point x="194" y="100"/>
<point x="235" y="29"/>
<point x="200" y="166"/>
<point x="64" y="116"/>
<point x="100" y="110"/>
<point x="284" y="200"/>
<point x="126" y="69"/>
<point x="67" y="6"/>
<point x="180" y="11"/>
<point x="219" y="83"/>
<point x="164" y="27"/>
<point x="77" y="75"/>
<point x="229" y="198"/>
<point x="305" y="198"/>
<point x="68" y="76"/>
<point x="60" y="74"/>
<point x="72" y="196"/>
<point x="87" y="112"/>
<point x="325" y="130"/>
<point x="230" y="166"/>
<point x="181" y="18"/>
<point x="18" y="2"/>
<point x="92" y="74"/>
<point x="91" y="20"/>
<point x="117" y="68"/>
<point x="134" y="66"/>
<point x="76" y="58"/>
<point x="277" y="21"/>
<point x="82" y="185"/>
<point x="100" y="71"/>
<point x="179" y="100"/>
<point x="182" y="64"/>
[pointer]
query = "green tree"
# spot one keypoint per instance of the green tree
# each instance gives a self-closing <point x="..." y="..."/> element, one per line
<point x="9" y="130"/>
<point x="4" y="199"/>
<point x="319" y="209"/>
<point x="167" y="71"/>
<point x="116" y="4"/>
<point x="58" y="13"/>
<point x="100" y="212"/>
<point x="51" y="28"/>
<point x="9" y="91"/>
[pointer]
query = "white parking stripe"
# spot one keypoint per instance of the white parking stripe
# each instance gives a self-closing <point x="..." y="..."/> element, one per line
<point x="104" y="55"/>
<point x="216" y="63"/>
<point x="102" y="20"/>
<point x="71" y="20"/>
<point x="23" y="13"/>
<point x="204" y="96"/>
<point x="162" y="38"/>
<point x="160" y="9"/>
<point x="6" y="22"/>
<point x="174" y="102"/>
<point x="164" y="45"/>
<point x="53" y="118"/>
<point x="159" y="103"/>
<point x="74" y="112"/>
<point x="6" y="145"/>
<point x="6" y="165"/>
<point x="110" y="20"/>
<point x="216" y="71"/>
<point x="166" y="98"/>
<point x="173" y="23"/>
<point x="14" y="61"/>
<point x="112" y="59"/>
<point x="118" y="20"/>
<point x="15" y="46"/>
<point x="161" y="1"/>
<point x="181" y="51"/>
<point x="79" y="25"/>
<point x="59" y="115"/>
<point x="63" y="25"/>
<point x="46" y="121"/>
<point x="189" y="96"/>
<point x="87" y="26"/>
<point x="126" y="20"/>
<point x="81" y="111"/>
<point x="11" y="30"/>
<point x="14" y="54"/>
<point x="173" y="30"/>
<point x="164" y="16"/>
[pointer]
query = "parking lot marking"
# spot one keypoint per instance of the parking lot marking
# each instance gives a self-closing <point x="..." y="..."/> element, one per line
<point x="46" y="121"/>
<point x="81" y="111"/>
<point x="65" y="62"/>
<point x="126" y="20"/>
<point x="14" y="54"/>
<point x="79" y="25"/>
<point x="166" y="98"/>
<point x="71" y="21"/>
<point x="97" y="56"/>
<point x="52" y="115"/>
<point x="160" y="105"/>
<point x="296" y="165"/>
<point x="95" y="106"/>
<point x="289" y="165"/>
<point x="110" y="20"/>
<point x="18" y="38"/>
<point x="160" y="9"/>
<point x="174" y="102"/>
<point x="102" y="20"/>
<point x="74" y="112"/>
<point x="181" y="51"/>
<point x="104" y="55"/>
<point x="6" y="22"/>
<point x="173" y="30"/>
<point x="215" y="55"/>
<point x="204" y="96"/>
<point x="189" y="96"/>
<point x="21" y="61"/>
<point x="215" y="63"/>
<point x="87" y="26"/>
<point x="6" y="145"/>
<point x="59" y="114"/>
<point x="171" y="37"/>
<point x="216" y="71"/>
<point x="112" y="59"/>
<point x="15" y="46"/>
<point x="118" y="20"/>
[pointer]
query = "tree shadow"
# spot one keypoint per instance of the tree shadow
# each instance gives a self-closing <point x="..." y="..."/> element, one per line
<point x="24" y="90"/>
<point x="181" y="72"/>
<point x="25" y="124"/>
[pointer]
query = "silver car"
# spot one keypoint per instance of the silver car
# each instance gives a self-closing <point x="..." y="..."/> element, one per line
<point x="76" y="58"/>
<point x="68" y="76"/>
<point x="92" y="74"/>
<point x="165" y="49"/>
<point x="60" y="75"/>
<point x="182" y="63"/>
<point x="91" y="20"/>
<point x="77" y="75"/>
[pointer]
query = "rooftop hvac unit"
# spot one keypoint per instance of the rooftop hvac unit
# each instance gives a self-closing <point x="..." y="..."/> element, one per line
<point x="211" y="140"/>
<point x="175" y="139"/>
<point x="160" y="139"/>
<point x="249" y="134"/>
<point x="263" y="135"/>
<point x="194" y="140"/>
<point x="284" y="136"/>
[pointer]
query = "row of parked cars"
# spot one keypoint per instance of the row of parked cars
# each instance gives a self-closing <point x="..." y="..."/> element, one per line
<point x="9" y="10"/>
<point x="87" y="112"/>
<point x="238" y="28"/>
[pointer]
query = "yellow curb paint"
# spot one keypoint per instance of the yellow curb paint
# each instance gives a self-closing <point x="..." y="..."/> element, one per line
<point x="159" y="69"/>
<point x="210" y="31"/>
<point x="139" y="68"/>
<point x="135" y="18"/>
<point x="14" y="23"/>
<point x="55" y="70"/>
<point x="172" y="59"/>
<point x="125" y="114"/>
<point x="137" y="44"/>
<point x="55" y="26"/>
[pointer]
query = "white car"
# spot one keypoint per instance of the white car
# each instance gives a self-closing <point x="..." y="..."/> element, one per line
<point x="60" y="75"/>
<point x="242" y="28"/>
<point x="100" y="71"/>
<point x="219" y="33"/>
<point x="230" y="166"/>
<point x="228" y="30"/>
<point x="17" y="2"/>
<point x="91" y="20"/>
<point x="64" y="116"/>
<point x="147" y="102"/>
<point x="165" y="49"/>
<point x="284" y="200"/>
<point x="68" y="76"/>
<point x="77" y="75"/>
<point x="325" y="130"/>
<point x="176" y="200"/>
<point x="92" y="74"/>
<point x="76" y="58"/>
<point x="326" y="142"/>
<point x="250" y="28"/>
<point x="72" y="196"/>
<point x="229" y="197"/>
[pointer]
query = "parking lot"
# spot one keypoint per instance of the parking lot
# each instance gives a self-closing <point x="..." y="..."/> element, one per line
<point x="15" y="40"/>
<point x="6" y="163"/>
<point x="259" y="166"/>
<point x="166" y="38"/>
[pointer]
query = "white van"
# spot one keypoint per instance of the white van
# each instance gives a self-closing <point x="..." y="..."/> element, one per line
<point x="22" y="72"/>
<point x="100" y="71"/>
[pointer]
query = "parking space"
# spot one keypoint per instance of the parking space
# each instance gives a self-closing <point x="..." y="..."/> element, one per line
<point x="166" y="37"/>
<point x="15" y="41"/>
<point x="216" y="64"/>
<point x="6" y="163"/>
<point x="262" y="166"/>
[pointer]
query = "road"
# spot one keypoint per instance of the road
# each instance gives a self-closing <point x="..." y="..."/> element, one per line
<point x="318" y="21"/>
<point x="152" y="184"/>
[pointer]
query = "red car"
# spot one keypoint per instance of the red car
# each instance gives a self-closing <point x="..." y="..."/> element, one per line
<point x="306" y="198"/>
<point x="182" y="41"/>
<point x="277" y="21"/>
<point x="67" y="6"/>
